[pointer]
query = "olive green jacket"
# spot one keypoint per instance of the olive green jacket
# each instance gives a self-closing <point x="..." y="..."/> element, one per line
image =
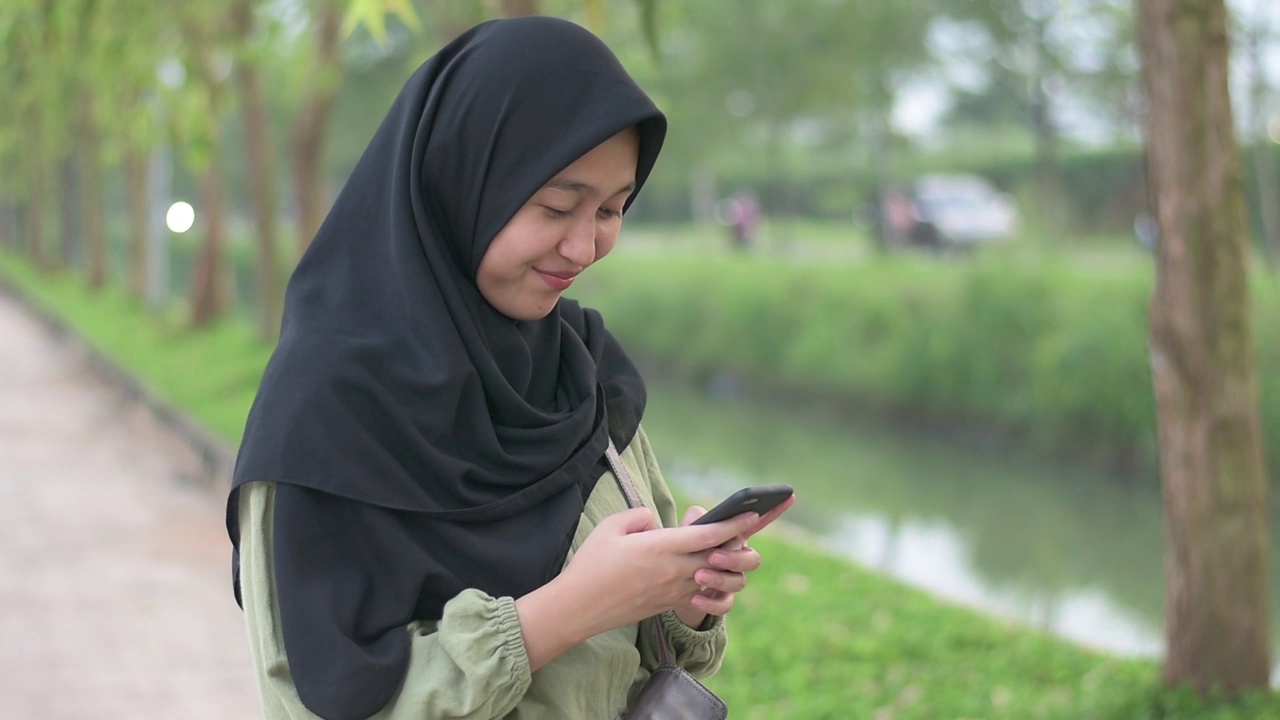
<point x="472" y="662"/>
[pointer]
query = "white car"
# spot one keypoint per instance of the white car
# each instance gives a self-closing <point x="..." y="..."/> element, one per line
<point x="960" y="210"/>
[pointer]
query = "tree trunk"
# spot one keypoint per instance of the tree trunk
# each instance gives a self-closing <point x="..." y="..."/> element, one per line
<point x="1202" y="358"/>
<point x="517" y="8"/>
<point x="207" y="286"/>
<point x="881" y="162"/>
<point x="95" y="235"/>
<point x="21" y="224"/>
<point x="1046" y="144"/>
<point x="37" y="190"/>
<point x="262" y="188"/>
<point x="137" y="178"/>
<point x="1051" y="213"/>
<point x="311" y="124"/>
<point x="8" y="223"/>
<point x="70" y="211"/>
<point x="452" y="19"/>
<point x="35" y="205"/>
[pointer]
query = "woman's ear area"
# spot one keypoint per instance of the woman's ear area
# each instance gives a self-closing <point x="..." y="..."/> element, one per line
<point x="633" y="138"/>
<point x="651" y="133"/>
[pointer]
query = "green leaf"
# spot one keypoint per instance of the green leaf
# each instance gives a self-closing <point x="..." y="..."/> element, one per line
<point x="372" y="15"/>
<point x="369" y="14"/>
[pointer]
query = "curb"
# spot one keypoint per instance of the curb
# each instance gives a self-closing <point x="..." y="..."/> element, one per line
<point x="217" y="458"/>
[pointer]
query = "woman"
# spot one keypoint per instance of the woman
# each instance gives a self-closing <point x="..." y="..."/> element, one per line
<point x="424" y="518"/>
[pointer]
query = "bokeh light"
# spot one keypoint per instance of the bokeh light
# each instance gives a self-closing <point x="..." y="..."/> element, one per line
<point x="181" y="217"/>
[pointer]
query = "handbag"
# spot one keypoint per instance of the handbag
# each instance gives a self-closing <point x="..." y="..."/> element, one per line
<point x="671" y="692"/>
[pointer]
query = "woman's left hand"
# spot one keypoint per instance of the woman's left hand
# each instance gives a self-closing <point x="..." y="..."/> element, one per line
<point x="726" y="572"/>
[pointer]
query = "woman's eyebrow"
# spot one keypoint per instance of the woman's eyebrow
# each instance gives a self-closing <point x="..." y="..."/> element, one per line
<point x="584" y="188"/>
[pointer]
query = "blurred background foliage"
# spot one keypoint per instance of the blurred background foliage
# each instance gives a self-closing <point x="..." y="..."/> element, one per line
<point x="836" y="100"/>
<point x="254" y="111"/>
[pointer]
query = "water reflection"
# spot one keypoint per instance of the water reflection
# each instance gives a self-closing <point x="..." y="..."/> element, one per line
<point x="934" y="557"/>
<point x="1054" y="547"/>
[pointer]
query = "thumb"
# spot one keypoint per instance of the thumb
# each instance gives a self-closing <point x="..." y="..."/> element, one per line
<point x="631" y="521"/>
<point x="693" y="513"/>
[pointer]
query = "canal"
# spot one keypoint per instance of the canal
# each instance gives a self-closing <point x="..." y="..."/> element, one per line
<point x="1065" y="549"/>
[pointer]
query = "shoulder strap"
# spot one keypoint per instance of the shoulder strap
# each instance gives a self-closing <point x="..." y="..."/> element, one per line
<point x="624" y="477"/>
<point x="633" y="500"/>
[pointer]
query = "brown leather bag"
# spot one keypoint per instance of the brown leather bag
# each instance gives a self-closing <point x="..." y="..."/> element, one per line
<point x="671" y="693"/>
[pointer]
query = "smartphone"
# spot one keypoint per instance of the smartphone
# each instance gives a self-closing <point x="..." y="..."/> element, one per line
<point x="759" y="499"/>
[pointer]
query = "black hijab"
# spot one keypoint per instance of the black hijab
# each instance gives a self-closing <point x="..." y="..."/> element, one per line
<point x="422" y="443"/>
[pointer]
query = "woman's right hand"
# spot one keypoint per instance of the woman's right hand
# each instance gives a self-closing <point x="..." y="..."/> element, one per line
<point x="627" y="569"/>
<point x="636" y="570"/>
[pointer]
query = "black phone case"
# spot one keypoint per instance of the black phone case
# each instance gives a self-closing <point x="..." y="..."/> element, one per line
<point x="760" y="499"/>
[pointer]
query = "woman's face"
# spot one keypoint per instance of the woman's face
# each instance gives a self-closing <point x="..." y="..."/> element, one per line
<point x="566" y="225"/>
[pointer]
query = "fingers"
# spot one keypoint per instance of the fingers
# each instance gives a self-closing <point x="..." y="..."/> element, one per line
<point x="693" y="513"/>
<point x="743" y="560"/>
<point x="733" y="543"/>
<point x="713" y="581"/>
<point x="718" y="586"/>
<point x="695" y="538"/>
<point x="630" y="521"/>
<point x="713" y="602"/>
<point x="770" y="516"/>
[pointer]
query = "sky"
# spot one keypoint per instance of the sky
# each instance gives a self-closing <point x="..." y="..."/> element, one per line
<point x="924" y="100"/>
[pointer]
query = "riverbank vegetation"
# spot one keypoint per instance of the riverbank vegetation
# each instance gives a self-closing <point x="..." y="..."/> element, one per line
<point x="1048" y="349"/>
<point x="211" y="102"/>
<point x="813" y="636"/>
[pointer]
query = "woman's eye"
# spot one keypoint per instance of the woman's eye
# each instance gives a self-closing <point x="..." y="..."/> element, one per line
<point x="609" y="214"/>
<point x="556" y="212"/>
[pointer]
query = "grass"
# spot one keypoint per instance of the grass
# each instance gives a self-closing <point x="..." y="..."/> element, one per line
<point x="812" y="636"/>
<point x="1045" y="346"/>
<point x="815" y="637"/>
<point x="212" y="375"/>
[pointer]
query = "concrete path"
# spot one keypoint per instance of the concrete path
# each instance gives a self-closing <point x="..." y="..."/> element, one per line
<point x="114" y="572"/>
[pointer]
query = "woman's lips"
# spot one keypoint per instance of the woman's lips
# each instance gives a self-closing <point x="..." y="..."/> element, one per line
<point x="557" y="281"/>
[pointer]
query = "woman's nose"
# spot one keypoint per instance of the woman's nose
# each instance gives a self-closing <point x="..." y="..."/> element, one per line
<point x="579" y="244"/>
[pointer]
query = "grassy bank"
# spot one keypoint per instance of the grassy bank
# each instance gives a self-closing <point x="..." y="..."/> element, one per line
<point x="813" y="637"/>
<point x="211" y="375"/>
<point x="1049" y="352"/>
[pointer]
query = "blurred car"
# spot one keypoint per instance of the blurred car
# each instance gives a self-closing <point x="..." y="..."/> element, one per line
<point x="953" y="210"/>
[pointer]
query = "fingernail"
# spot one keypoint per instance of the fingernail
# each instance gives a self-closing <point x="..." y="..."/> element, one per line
<point x="718" y="558"/>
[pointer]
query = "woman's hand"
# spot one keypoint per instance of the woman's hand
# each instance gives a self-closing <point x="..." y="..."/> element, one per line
<point x="626" y="570"/>
<point x="724" y="574"/>
<point x="629" y="569"/>
<point x="648" y="570"/>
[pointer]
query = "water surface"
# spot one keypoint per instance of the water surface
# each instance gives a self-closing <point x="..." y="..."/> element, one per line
<point x="1066" y="549"/>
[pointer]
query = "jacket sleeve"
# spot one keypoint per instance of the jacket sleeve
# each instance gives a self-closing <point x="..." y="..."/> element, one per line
<point x="471" y="664"/>
<point x="698" y="650"/>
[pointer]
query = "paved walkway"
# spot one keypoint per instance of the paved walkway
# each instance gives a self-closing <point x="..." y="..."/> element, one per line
<point x="114" y="592"/>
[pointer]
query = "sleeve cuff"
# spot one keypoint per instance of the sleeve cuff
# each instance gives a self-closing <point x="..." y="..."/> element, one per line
<point x="513" y="637"/>
<point x="470" y="613"/>
<point x="683" y="636"/>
